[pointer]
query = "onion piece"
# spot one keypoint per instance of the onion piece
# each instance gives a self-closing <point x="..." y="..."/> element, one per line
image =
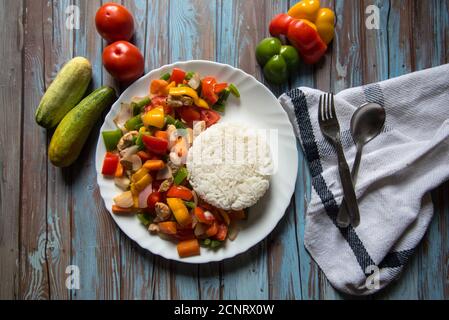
<point x="195" y="198"/>
<point x="233" y="231"/>
<point x="124" y="200"/>
<point x="122" y="182"/>
<point x="123" y="115"/>
<point x="200" y="230"/>
<point x="143" y="196"/>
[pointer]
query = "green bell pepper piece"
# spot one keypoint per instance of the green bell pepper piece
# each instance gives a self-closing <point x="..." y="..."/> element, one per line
<point x="111" y="139"/>
<point x="180" y="176"/>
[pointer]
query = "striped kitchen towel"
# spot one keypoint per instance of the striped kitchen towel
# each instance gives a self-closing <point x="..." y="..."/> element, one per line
<point x="398" y="170"/>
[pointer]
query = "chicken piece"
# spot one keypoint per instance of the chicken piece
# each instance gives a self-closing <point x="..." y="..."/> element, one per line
<point x="163" y="212"/>
<point x="127" y="140"/>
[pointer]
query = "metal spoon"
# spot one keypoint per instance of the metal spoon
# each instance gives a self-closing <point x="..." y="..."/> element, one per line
<point x="366" y="123"/>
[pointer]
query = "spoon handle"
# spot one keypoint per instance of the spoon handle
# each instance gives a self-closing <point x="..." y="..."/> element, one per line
<point x="343" y="217"/>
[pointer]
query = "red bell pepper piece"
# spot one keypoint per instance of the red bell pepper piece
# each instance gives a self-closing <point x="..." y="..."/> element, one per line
<point x="110" y="164"/>
<point x="180" y="192"/>
<point x="307" y="40"/>
<point x="279" y="24"/>
<point x="177" y="75"/>
<point x="302" y="36"/>
<point x="155" y="145"/>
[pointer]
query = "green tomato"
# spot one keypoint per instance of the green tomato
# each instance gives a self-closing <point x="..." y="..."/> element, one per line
<point x="291" y="57"/>
<point x="266" y="49"/>
<point x="276" y="70"/>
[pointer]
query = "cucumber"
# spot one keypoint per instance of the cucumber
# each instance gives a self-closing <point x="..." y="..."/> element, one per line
<point x="64" y="92"/>
<point x="72" y="132"/>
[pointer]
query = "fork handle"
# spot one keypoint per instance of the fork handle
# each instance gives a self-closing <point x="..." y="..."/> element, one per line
<point x="343" y="215"/>
<point x="346" y="182"/>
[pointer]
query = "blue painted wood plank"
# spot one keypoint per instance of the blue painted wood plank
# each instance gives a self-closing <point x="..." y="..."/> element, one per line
<point x="34" y="280"/>
<point x="429" y="51"/>
<point x="282" y="244"/>
<point x="192" y="28"/>
<point x="400" y="62"/>
<point x="96" y="238"/>
<point x="156" y="54"/>
<point x="245" y="276"/>
<point x="11" y="93"/>
<point x="136" y="276"/>
<point x="58" y="49"/>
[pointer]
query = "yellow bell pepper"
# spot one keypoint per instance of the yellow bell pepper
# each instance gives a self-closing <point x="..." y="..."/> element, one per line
<point x="142" y="183"/>
<point x="186" y="91"/>
<point x="325" y="22"/>
<point x="322" y="19"/>
<point x="139" y="174"/>
<point x="180" y="211"/>
<point x="305" y="9"/>
<point x="154" y="118"/>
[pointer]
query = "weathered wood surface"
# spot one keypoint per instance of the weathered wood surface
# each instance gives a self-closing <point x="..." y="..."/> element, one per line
<point x="52" y="218"/>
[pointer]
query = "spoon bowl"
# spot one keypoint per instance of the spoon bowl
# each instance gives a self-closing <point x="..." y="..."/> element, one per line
<point x="366" y="124"/>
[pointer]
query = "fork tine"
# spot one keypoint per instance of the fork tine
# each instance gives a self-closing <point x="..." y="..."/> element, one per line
<point x="328" y="106"/>
<point x="320" y="110"/>
<point x="326" y="103"/>
<point x="333" y="106"/>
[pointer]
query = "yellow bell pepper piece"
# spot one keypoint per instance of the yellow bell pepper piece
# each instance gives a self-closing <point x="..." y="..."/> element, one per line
<point x="167" y="88"/>
<point x="136" y="201"/>
<point x="321" y="19"/>
<point x="139" y="174"/>
<point x="180" y="211"/>
<point x="305" y="9"/>
<point x="325" y="22"/>
<point x="154" y="118"/>
<point x="186" y="91"/>
<point x="143" y="183"/>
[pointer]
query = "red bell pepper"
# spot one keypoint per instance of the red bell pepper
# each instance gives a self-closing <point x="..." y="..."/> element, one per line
<point x="208" y="90"/>
<point x="177" y="75"/>
<point x="180" y="192"/>
<point x="155" y="145"/>
<point x="302" y="35"/>
<point x="110" y="164"/>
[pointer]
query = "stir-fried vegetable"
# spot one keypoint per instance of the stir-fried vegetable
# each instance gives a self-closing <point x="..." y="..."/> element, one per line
<point x="146" y="157"/>
<point x="111" y="139"/>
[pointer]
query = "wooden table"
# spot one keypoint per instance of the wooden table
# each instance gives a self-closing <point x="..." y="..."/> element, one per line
<point x="51" y="218"/>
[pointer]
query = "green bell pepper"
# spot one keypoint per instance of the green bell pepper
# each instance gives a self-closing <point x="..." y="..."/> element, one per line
<point x="277" y="60"/>
<point x="111" y="139"/>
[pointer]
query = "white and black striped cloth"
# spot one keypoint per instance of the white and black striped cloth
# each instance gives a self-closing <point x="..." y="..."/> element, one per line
<point x="398" y="169"/>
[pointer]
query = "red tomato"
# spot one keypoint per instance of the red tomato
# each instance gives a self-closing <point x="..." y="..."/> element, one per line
<point x="154" y="144"/>
<point x="210" y="117"/>
<point x="219" y="87"/>
<point x="177" y="75"/>
<point x="279" y="24"/>
<point x="189" y="114"/>
<point x="222" y="232"/>
<point x="207" y="90"/>
<point x="110" y="164"/>
<point x="152" y="199"/>
<point x="114" y="22"/>
<point x="180" y="192"/>
<point x="123" y="61"/>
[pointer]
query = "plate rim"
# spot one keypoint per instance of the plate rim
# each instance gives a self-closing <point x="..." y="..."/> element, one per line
<point x="291" y="188"/>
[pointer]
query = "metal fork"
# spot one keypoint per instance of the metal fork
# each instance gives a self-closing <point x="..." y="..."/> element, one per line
<point x="329" y="126"/>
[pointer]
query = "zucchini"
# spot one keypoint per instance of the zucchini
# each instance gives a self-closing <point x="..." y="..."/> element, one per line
<point x="72" y="132"/>
<point x="64" y="92"/>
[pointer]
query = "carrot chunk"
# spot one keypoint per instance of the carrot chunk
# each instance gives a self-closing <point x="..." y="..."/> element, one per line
<point x="188" y="248"/>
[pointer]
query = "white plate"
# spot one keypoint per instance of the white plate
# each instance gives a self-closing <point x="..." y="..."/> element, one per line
<point x="257" y="107"/>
